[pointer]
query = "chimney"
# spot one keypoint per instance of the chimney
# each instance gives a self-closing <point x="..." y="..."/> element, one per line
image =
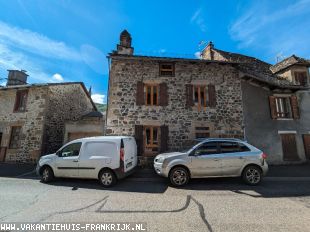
<point x="16" y="77"/>
<point x="124" y="47"/>
<point x="208" y="53"/>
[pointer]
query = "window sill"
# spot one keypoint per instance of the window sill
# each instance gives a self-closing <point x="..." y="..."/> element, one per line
<point x="284" y="119"/>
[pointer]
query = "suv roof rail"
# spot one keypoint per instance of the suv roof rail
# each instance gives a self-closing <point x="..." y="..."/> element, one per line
<point x="223" y="139"/>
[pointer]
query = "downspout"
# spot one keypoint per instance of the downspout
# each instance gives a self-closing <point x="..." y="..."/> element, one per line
<point x="107" y="110"/>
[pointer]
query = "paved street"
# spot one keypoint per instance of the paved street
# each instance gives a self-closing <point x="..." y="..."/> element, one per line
<point x="204" y="205"/>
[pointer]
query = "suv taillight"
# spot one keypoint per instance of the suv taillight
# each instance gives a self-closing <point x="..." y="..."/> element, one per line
<point x="264" y="156"/>
<point x="122" y="154"/>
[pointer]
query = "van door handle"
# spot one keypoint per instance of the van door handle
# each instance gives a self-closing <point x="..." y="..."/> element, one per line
<point x="75" y="161"/>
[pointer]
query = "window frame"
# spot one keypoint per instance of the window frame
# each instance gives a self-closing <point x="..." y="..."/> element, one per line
<point x="152" y="86"/>
<point x="297" y="80"/>
<point x="199" y="130"/>
<point x="205" y="144"/>
<point x="161" y="69"/>
<point x="17" y="105"/>
<point x="151" y="144"/>
<point x="205" y="96"/>
<point x="231" y="152"/>
<point x="13" y="134"/>
<point x="59" y="153"/>
<point x="279" y="108"/>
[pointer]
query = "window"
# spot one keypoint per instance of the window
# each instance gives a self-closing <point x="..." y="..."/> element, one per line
<point x="151" y="138"/>
<point x="229" y="147"/>
<point x="151" y="95"/>
<point x="20" y="100"/>
<point x="243" y="148"/>
<point x="166" y="69"/>
<point x="283" y="107"/>
<point x="72" y="149"/>
<point x="15" y="137"/>
<point x="300" y="78"/>
<point x="200" y="96"/>
<point x="207" y="149"/>
<point x="202" y="132"/>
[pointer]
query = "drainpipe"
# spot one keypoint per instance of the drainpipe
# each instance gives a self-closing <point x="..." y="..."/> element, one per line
<point x="107" y="110"/>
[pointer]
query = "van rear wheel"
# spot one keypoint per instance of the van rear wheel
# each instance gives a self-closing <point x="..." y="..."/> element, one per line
<point x="47" y="174"/>
<point x="107" y="178"/>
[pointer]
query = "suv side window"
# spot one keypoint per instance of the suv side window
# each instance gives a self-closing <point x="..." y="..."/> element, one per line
<point x="207" y="149"/>
<point x="72" y="149"/>
<point x="229" y="147"/>
<point x="243" y="147"/>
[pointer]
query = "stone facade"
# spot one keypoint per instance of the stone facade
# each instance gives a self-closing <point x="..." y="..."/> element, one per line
<point x="42" y="122"/>
<point x="246" y="95"/>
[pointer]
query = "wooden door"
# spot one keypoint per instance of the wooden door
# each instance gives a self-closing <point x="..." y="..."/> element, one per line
<point x="289" y="147"/>
<point x="307" y="146"/>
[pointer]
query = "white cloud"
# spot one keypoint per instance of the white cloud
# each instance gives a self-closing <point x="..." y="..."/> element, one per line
<point x="58" y="77"/>
<point x="98" y="98"/>
<point x="36" y="43"/>
<point x="198" y="19"/>
<point x="283" y="29"/>
<point x="198" y="55"/>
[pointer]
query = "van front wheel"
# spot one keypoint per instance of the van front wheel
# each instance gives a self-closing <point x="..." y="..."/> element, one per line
<point x="107" y="178"/>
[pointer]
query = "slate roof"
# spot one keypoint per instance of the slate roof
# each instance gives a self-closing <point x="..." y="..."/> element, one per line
<point x="292" y="60"/>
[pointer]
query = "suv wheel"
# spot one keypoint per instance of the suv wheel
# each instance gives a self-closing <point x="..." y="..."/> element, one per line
<point x="107" y="178"/>
<point x="252" y="175"/>
<point x="179" y="176"/>
<point x="47" y="175"/>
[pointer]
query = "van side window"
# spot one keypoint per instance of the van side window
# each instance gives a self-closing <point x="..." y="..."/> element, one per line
<point x="72" y="149"/>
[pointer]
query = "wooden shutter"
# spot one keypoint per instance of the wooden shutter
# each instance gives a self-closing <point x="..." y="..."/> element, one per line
<point x="189" y="95"/>
<point x="212" y="95"/>
<point x="295" y="108"/>
<point x="163" y="94"/>
<point x="307" y="146"/>
<point x="164" y="134"/>
<point x="140" y="93"/>
<point x="139" y="139"/>
<point x="289" y="147"/>
<point x="273" y="108"/>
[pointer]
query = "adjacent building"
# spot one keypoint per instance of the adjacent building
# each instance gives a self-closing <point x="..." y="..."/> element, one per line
<point x="167" y="103"/>
<point x="33" y="116"/>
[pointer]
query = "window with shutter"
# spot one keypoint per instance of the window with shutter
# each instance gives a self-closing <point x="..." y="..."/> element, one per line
<point x="300" y="78"/>
<point x="284" y="107"/>
<point x="189" y="95"/>
<point x="151" y="94"/>
<point x="21" y="101"/>
<point x="295" y="108"/>
<point x="15" y="137"/>
<point x="204" y="96"/>
<point x="166" y="69"/>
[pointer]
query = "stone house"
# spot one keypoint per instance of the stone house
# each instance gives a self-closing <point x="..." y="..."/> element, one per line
<point x="32" y="116"/>
<point x="167" y="103"/>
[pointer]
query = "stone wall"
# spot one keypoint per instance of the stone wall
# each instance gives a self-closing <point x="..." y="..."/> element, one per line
<point x="31" y="122"/>
<point x="65" y="102"/>
<point x="123" y="113"/>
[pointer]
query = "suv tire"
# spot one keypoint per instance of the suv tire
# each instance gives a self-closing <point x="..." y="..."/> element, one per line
<point x="178" y="176"/>
<point x="252" y="175"/>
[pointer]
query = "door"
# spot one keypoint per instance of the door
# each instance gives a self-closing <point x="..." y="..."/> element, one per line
<point x="233" y="157"/>
<point x="130" y="154"/>
<point x="67" y="160"/>
<point x="2" y="150"/>
<point x="289" y="147"/>
<point x="206" y="160"/>
<point x="307" y="146"/>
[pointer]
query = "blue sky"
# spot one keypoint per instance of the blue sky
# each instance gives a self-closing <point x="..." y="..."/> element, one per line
<point x="68" y="40"/>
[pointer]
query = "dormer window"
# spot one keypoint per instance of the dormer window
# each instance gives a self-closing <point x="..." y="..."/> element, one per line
<point x="300" y="78"/>
<point x="21" y="101"/>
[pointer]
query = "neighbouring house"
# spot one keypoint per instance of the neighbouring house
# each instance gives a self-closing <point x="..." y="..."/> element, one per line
<point x="90" y="124"/>
<point x="167" y="103"/>
<point x="33" y="116"/>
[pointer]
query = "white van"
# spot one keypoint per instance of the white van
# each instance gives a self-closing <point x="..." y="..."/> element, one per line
<point x="107" y="158"/>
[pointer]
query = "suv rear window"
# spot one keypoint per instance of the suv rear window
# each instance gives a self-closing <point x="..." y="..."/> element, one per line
<point x="243" y="148"/>
<point x="229" y="147"/>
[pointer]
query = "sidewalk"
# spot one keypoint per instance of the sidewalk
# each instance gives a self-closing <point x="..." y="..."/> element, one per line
<point x="280" y="171"/>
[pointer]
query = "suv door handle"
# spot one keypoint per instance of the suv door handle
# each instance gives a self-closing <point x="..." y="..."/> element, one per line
<point x="75" y="161"/>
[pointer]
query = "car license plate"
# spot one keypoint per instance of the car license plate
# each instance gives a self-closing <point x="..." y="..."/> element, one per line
<point x="129" y="165"/>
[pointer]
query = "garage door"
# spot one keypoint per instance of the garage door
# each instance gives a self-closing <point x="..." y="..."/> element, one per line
<point x="289" y="147"/>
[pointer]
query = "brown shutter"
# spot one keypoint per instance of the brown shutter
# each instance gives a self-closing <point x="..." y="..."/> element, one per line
<point x="189" y="95"/>
<point x="289" y="147"/>
<point x="273" y="108"/>
<point x="295" y="108"/>
<point x="139" y="139"/>
<point x="140" y="93"/>
<point x="212" y="95"/>
<point x="164" y="134"/>
<point x="163" y="94"/>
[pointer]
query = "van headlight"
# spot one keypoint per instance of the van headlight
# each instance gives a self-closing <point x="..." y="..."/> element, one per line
<point x="159" y="160"/>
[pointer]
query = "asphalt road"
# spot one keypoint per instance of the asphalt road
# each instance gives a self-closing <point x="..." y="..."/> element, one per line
<point x="204" y="205"/>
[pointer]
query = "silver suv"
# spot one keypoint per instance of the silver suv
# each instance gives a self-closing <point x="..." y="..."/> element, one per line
<point x="213" y="158"/>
